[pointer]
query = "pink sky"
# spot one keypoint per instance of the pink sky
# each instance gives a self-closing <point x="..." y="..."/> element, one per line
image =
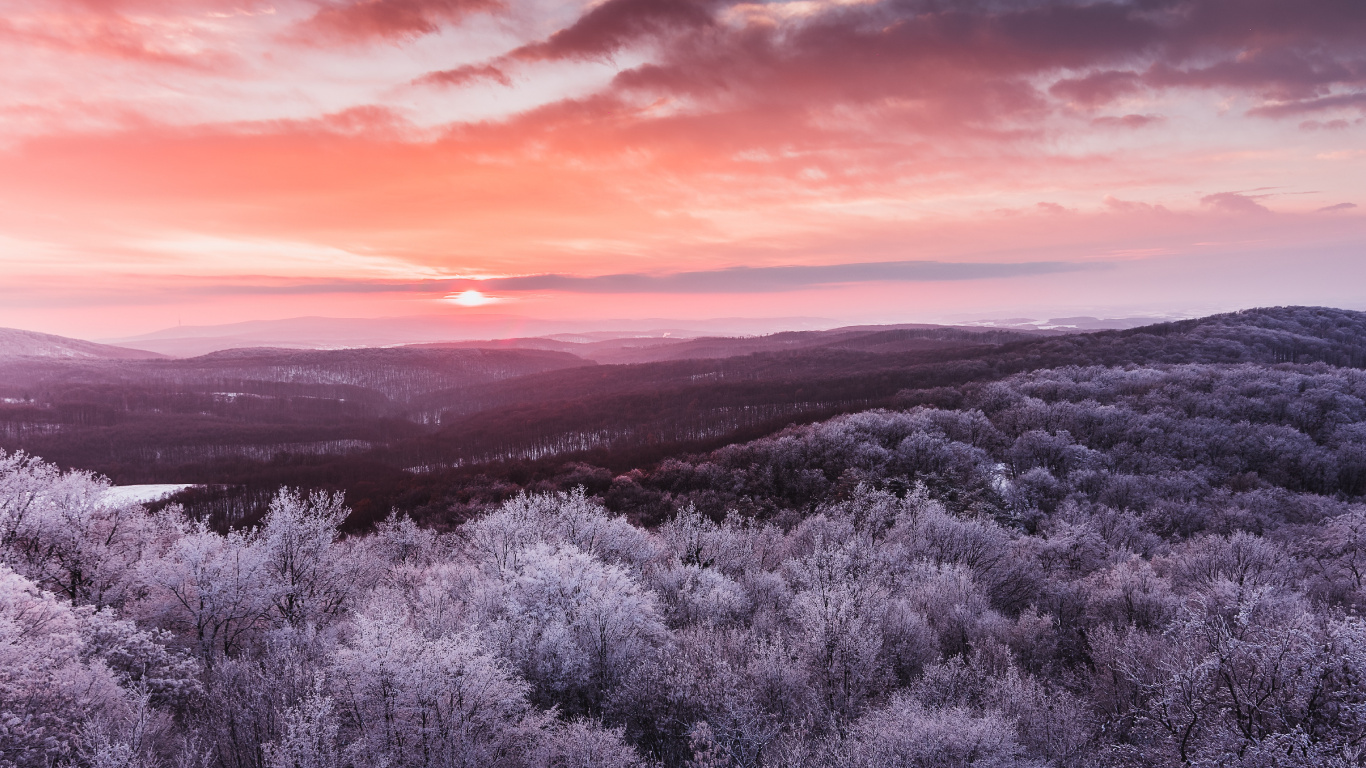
<point x="209" y="161"/>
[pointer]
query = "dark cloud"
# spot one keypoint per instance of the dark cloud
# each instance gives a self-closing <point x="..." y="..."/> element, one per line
<point x="615" y="24"/>
<point x="1338" y="207"/>
<point x="1098" y="88"/>
<point x="974" y="63"/>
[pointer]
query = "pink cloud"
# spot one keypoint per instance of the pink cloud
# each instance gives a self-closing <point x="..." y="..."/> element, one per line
<point x="465" y="75"/>
<point x="1235" y="202"/>
<point x="1126" y="121"/>
<point x="361" y="20"/>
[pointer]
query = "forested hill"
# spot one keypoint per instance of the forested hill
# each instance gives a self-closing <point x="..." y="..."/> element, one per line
<point x="30" y="347"/>
<point x="1269" y="335"/>
<point x="877" y="338"/>
<point x="409" y="427"/>
<point x="394" y="373"/>
<point x="651" y="407"/>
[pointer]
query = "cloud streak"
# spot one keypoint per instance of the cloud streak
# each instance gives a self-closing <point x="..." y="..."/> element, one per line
<point x="717" y="281"/>
<point x="783" y="278"/>
<point x="365" y="20"/>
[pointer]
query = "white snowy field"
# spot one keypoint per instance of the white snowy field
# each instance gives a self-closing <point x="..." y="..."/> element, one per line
<point x="142" y="494"/>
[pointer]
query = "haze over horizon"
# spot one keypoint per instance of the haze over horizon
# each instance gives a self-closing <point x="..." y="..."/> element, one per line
<point x="867" y="161"/>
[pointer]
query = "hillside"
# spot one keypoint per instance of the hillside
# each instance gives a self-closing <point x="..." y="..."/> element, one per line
<point x="17" y="343"/>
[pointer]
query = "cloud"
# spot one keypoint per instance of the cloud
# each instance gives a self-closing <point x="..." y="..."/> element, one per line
<point x="465" y="75"/>
<point x="1327" y="125"/>
<point x="1234" y="202"/>
<point x="1098" y="88"/>
<point x="602" y="31"/>
<point x="971" y="63"/>
<point x="1303" y="106"/>
<point x="767" y="279"/>
<point x="614" y="24"/>
<point x="1338" y="207"/>
<point x="171" y="36"/>
<point x="1132" y="206"/>
<point x="1127" y="121"/>
<point x="363" y="20"/>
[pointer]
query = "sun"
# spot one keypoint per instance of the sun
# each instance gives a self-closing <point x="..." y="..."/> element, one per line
<point x="471" y="298"/>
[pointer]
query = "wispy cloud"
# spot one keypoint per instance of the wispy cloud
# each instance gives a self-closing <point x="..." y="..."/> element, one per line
<point x="364" y="20"/>
<point x="766" y="279"/>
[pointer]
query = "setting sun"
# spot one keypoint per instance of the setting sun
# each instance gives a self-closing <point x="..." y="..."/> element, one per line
<point x="471" y="298"/>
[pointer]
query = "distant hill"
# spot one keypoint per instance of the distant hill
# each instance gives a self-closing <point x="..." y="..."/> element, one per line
<point x="354" y="332"/>
<point x="387" y="373"/>
<point x="885" y="339"/>
<point x="17" y="343"/>
<point x="866" y="338"/>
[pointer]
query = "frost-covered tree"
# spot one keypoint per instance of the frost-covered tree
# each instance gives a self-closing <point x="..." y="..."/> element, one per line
<point x="404" y="699"/>
<point x="61" y="530"/>
<point x="51" y="689"/>
<point x="499" y="538"/>
<point x="310" y="573"/>
<point x="572" y="624"/>
<point x="215" y="589"/>
<point x="906" y="734"/>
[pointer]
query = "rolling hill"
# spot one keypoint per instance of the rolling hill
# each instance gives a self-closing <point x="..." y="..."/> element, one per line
<point x="401" y="426"/>
<point x="17" y="343"/>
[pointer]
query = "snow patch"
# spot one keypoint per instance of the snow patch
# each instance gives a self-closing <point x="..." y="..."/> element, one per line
<point x="141" y="494"/>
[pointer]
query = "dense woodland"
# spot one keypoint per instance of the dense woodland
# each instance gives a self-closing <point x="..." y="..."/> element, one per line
<point x="1120" y="549"/>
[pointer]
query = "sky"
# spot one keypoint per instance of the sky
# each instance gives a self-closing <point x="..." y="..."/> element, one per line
<point x="195" y="162"/>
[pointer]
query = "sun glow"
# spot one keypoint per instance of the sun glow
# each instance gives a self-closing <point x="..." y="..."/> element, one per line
<point x="471" y="298"/>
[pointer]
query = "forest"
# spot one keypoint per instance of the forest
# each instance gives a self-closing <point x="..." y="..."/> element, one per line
<point x="418" y="428"/>
<point x="1129" y="548"/>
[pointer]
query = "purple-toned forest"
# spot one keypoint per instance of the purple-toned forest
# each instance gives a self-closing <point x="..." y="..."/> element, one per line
<point x="1138" y="548"/>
